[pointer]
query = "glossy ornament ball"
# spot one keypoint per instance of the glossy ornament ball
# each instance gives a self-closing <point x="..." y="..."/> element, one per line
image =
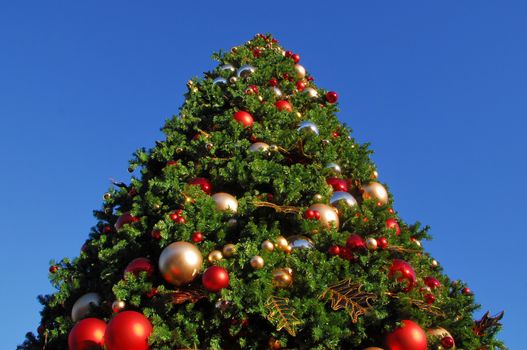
<point x="87" y="334"/>
<point x="139" y="265"/>
<point x="215" y="279"/>
<point x="300" y="71"/>
<point x="375" y="191"/>
<point x="84" y="305"/>
<point x="403" y="272"/>
<point x="244" y="118"/>
<point x="257" y="262"/>
<point x="215" y="255"/>
<point x="219" y="81"/>
<point x="332" y="97"/>
<point x="225" y="202"/>
<point x="311" y="92"/>
<point x="334" y="168"/>
<point x="282" y="243"/>
<point x="371" y="243"/>
<point x="431" y="282"/>
<point x="118" y="306"/>
<point x="308" y="128"/>
<point x="382" y="242"/>
<point x="391" y="223"/>
<point x="439" y="333"/>
<point x="267" y="245"/>
<point x="128" y="330"/>
<point x="337" y="184"/>
<point x="328" y="214"/>
<point x="202" y="182"/>
<point x="276" y="91"/>
<point x="227" y="68"/>
<point x="408" y="337"/>
<point x="259" y="147"/>
<point x="355" y="243"/>
<point x="125" y="219"/>
<point x="300" y="242"/>
<point x="229" y="250"/>
<point x="283" y="105"/>
<point x="245" y="71"/>
<point x="282" y="278"/>
<point x="180" y="263"/>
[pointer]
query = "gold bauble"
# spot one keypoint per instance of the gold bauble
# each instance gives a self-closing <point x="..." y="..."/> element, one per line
<point x="374" y="174"/>
<point x="274" y="148"/>
<point x="298" y="114"/>
<point x="328" y="214"/>
<point x="439" y="333"/>
<point x="225" y="202"/>
<point x="209" y="146"/>
<point x="84" y="305"/>
<point x="281" y="243"/>
<point x="118" y="306"/>
<point x="107" y="196"/>
<point x="375" y="190"/>
<point x="311" y="92"/>
<point x="180" y="263"/>
<point x="282" y="278"/>
<point x="229" y="250"/>
<point x="233" y="80"/>
<point x="257" y="262"/>
<point x="318" y="197"/>
<point x="435" y="263"/>
<point x="215" y="255"/>
<point x="371" y="243"/>
<point x="259" y="147"/>
<point x="268" y="245"/>
<point x="300" y="71"/>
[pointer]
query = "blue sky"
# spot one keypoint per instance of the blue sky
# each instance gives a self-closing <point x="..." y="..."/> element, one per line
<point x="438" y="88"/>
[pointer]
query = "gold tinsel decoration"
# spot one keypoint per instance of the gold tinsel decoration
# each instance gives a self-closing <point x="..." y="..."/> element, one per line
<point x="349" y="296"/>
<point x="282" y="314"/>
<point x="181" y="296"/>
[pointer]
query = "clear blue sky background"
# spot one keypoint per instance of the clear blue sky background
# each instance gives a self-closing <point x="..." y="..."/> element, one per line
<point x="438" y="88"/>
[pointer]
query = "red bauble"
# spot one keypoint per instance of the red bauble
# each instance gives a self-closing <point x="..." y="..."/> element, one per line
<point x="431" y="282"/>
<point x="283" y="106"/>
<point x="346" y="254"/>
<point x="334" y="250"/>
<point x="429" y="298"/>
<point x="466" y="291"/>
<point x="408" y="337"/>
<point x="288" y="53"/>
<point x="257" y="53"/>
<point x="392" y="223"/>
<point x="244" y="118"/>
<point x="300" y="85"/>
<point x="106" y="229"/>
<point x="403" y="272"/>
<point x="332" y="97"/>
<point x="382" y="242"/>
<point x="174" y="162"/>
<point x="295" y="57"/>
<point x="448" y="342"/>
<point x="215" y="279"/>
<point x="156" y="234"/>
<point x="87" y="334"/>
<point x="310" y="214"/>
<point x="273" y="82"/>
<point x="197" y="237"/>
<point x="139" y="265"/>
<point x="338" y="184"/>
<point x="53" y="268"/>
<point x="355" y="243"/>
<point x="124" y="219"/>
<point x="128" y="330"/>
<point x="205" y="184"/>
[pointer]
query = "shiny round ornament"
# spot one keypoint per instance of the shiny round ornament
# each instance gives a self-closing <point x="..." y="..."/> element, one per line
<point x="87" y="334"/>
<point x="180" y="263"/>
<point x="332" y="97"/>
<point x="128" y="330"/>
<point x="391" y="223"/>
<point x="355" y="243"/>
<point x="340" y="198"/>
<point x="282" y="278"/>
<point x="244" y="118"/>
<point x="276" y="91"/>
<point x="257" y="262"/>
<point x="371" y="243"/>
<point x="431" y="282"/>
<point x="282" y="243"/>
<point x="441" y="333"/>
<point x="229" y="250"/>
<point x="118" y="306"/>
<point x="202" y="182"/>
<point x="308" y="128"/>
<point x="125" y="219"/>
<point x="300" y="71"/>
<point x="375" y="191"/>
<point x="283" y="105"/>
<point x="215" y="255"/>
<point x="337" y="184"/>
<point x="83" y="306"/>
<point x="225" y="202"/>
<point x="311" y="92"/>
<point x="139" y="265"/>
<point x="219" y="81"/>
<point x="300" y="242"/>
<point x="328" y="214"/>
<point x="233" y="80"/>
<point x="245" y="71"/>
<point x="227" y="67"/>
<point x="403" y="272"/>
<point x="259" y="147"/>
<point x="267" y="245"/>
<point x="215" y="278"/>
<point x="408" y="337"/>
<point x="334" y="168"/>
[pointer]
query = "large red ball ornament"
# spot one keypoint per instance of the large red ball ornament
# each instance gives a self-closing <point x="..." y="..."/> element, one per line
<point x="338" y="184"/>
<point x="244" y="118"/>
<point x="128" y="330"/>
<point x="87" y="334"/>
<point x="215" y="279"/>
<point x="139" y="265"/>
<point x="124" y="219"/>
<point x="431" y="282"/>
<point x="393" y="224"/>
<point x="403" y="272"/>
<point x="283" y="105"/>
<point x="332" y="97"/>
<point x="355" y="243"/>
<point x="202" y="182"/>
<point x="408" y="337"/>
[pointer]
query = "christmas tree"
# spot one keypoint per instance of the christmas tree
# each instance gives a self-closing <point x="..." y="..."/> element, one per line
<point x="257" y="223"/>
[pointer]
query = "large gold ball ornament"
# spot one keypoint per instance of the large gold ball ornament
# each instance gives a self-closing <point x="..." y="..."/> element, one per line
<point x="328" y="214"/>
<point x="267" y="245"/>
<point x="257" y="262"/>
<point x="180" y="263"/>
<point x="300" y="71"/>
<point x="376" y="191"/>
<point x="215" y="255"/>
<point x="229" y="250"/>
<point x="439" y="333"/>
<point x="83" y="306"/>
<point x="225" y="202"/>
<point x="259" y="147"/>
<point x="311" y="92"/>
<point x="118" y="306"/>
<point x="282" y="278"/>
<point x="281" y="243"/>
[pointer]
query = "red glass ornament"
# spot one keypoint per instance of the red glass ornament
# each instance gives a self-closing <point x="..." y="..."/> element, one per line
<point x="317" y="214"/>
<point x="171" y="162"/>
<point x="431" y="282"/>
<point x="215" y="279"/>
<point x="197" y="237"/>
<point x="273" y="82"/>
<point x="429" y="298"/>
<point x="106" y="229"/>
<point x="139" y="265"/>
<point x="288" y="53"/>
<point x="408" y="337"/>
<point x="382" y="242"/>
<point x="283" y="106"/>
<point x="257" y="53"/>
<point x="466" y="291"/>
<point x="448" y="342"/>
<point x="346" y="254"/>
<point x="244" y="118"/>
<point x="404" y="272"/>
<point x="300" y="85"/>
<point x="295" y="57"/>
<point x="337" y="184"/>
<point x="355" y="243"/>
<point x="392" y="223"/>
<point x="151" y="293"/>
<point x="332" y="97"/>
<point x="334" y="250"/>
<point x="309" y="214"/>
<point x="174" y="216"/>
<point x="310" y="78"/>
<point x="181" y="220"/>
<point x="202" y="182"/>
<point x="128" y="330"/>
<point x="156" y="234"/>
<point x="124" y="219"/>
<point x="87" y="334"/>
<point x="53" y="268"/>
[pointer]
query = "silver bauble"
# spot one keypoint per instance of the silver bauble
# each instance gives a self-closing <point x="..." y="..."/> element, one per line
<point x="180" y="263"/>
<point x="245" y="71"/>
<point x="83" y="306"/>
<point x="300" y="242"/>
<point x="308" y="128"/>
<point x="259" y="147"/>
<point x="276" y="91"/>
<point x="339" y="198"/>
<point x="225" y="202"/>
<point x="219" y="81"/>
<point x="300" y="71"/>
<point x="227" y="67"/>
<point x="311" y="92"/>
<point x="334" y="168"/>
